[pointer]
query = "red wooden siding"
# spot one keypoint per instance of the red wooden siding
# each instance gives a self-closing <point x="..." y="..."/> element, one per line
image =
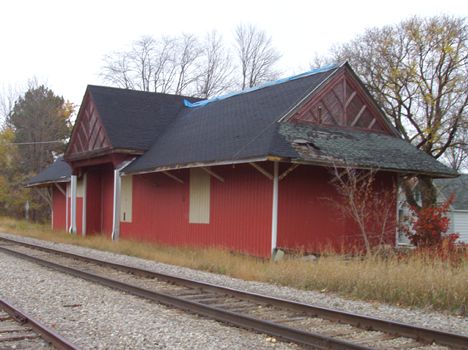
<point x="308" y="217"/>
<point x="59" y="208"/>
<point x="100" y="197"/>
<point x="344" y="103"/>
<point x="240" y="211"/>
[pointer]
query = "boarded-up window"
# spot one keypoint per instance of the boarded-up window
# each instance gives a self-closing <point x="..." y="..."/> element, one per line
<point x="79" y="188"/>
<point x="199" y="210"/>
<point x="126" y="199"/>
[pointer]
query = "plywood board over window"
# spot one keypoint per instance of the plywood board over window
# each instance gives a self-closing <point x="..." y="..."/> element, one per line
<point x="79" y="188"/>
<point x="199" y="210"/>
<point x="126" y="198"/>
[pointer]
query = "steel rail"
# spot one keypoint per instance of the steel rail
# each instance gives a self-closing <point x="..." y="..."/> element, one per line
<point x="314" y="340"/>
<point x="422" y="334"/>
<point x="46" y="333"/>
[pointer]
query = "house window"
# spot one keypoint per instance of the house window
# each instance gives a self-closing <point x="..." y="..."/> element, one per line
<point x="126" y="198"/>
<point x="199" y="206"/>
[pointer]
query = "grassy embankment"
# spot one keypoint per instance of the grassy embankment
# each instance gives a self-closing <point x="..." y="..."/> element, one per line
<point x="414" y="281"/>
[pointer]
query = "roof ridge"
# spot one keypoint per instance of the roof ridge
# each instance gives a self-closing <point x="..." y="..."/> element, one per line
<point x="265" y="85"/>
<point x="141" y="91"/>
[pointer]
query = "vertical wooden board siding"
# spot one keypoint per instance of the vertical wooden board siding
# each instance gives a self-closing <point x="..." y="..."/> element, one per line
<point x="107" y="199"/>
<point x="199" y="202"/>
<point x="309" y="217"/>
<point x="93" y="201"/>
<point x="126" y="198"/>
<point x="59" y="208"/>
<point x="240" y="211"/>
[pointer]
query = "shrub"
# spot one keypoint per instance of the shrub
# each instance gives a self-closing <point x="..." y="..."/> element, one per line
<point x="428" y="227"/>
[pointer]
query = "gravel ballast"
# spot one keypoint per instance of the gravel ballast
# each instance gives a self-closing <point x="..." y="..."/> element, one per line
<point x="424" y="318"/>
<point x="95" y="317"/>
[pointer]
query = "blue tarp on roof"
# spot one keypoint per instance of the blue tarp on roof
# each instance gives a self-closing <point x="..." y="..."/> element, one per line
<point x="271" y="83"/>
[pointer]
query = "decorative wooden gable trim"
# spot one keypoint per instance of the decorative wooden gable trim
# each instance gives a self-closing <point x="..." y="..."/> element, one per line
<point x="88" y="135"/>
<point x="342" y="102"/>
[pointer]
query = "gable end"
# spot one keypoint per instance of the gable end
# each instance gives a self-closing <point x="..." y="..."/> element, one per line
<point x="88" y="135"/>
<point x="342" y="102"/>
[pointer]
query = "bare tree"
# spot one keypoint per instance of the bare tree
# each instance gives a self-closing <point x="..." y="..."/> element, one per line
<point x="370" y="205"/>
<point x="167" y="64"/>
<point x="142" y="56"/>
<point x="215" y="68"/>
<point x="188" y="53"/>
<point x="8" y="97"/>
<point x="417" y="72"/>
<point x="256" y="54"/>
<point x="117" y="70"/>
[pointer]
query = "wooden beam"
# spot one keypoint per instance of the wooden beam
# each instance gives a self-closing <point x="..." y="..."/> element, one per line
<point x="60" y="189"/>
<point x="363" y="108"/>
<point x="372" y="123"/>
<point x="350" y="98"/>
<point x="212" y="173"/>
<point x="330" y="113"/>
<point x="287" y="171"/>
<point x="173" y="177"/>
<point x="263" y="171"/>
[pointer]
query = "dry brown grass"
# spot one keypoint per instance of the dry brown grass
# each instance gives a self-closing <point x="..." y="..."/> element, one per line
<point x="414" y="282"/>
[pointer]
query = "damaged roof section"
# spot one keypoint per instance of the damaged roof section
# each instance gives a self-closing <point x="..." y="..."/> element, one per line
<point x="347" y="147"/>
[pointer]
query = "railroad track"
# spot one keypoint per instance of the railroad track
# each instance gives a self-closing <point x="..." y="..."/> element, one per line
<point x="20" y="331"/>
<point x="304" y="324"/>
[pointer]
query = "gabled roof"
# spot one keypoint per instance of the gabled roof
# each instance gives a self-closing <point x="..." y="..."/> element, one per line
<point x="59" y="171"/>
<point x="457" y="186"/>
<point x="134" y="119"/>
<point x="243" y="126"/>
<point x="248" y="126"/>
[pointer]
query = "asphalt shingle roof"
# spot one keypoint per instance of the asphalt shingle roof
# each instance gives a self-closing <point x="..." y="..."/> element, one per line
<point x="458" y="186"/>
<point x="240" y="127"/>
<point x="134" y="119"/>
<point x="339" y="146"/>
<point x="59" y="171"/>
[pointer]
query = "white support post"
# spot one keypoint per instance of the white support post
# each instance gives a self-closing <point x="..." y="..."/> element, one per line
<point x="83" y="220"/>
<point x="274" y="214"/>
<point x="73" y="183"/>
<point x="117" y="190"/>
<point x="67" y="209"/>
<point x="116" y="211"/>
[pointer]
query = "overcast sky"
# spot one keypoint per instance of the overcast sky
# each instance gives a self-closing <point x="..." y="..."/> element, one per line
<point x="62" y="43"/>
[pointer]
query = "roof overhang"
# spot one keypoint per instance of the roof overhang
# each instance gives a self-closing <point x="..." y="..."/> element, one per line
<point x="47" y="183"/>
<point x="199" y="164"/>
<point x="341" y="164"/>
<point x="101" y="152"/>
<point x="328" y="164"/>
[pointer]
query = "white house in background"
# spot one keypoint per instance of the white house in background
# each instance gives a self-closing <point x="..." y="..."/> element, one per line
<point x="458" y="212"/>
<point x="459" y="209"/>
